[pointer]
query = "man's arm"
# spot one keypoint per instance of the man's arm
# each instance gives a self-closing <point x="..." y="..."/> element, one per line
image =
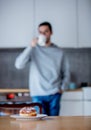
<point x="25" y="56"/>
<point x="65" y="73"/>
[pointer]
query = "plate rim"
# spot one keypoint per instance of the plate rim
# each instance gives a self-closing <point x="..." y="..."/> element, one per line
<point x="39" y="116"/>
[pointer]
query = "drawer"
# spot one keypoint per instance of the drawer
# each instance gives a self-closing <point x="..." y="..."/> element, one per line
<point x="87" y="93"/>
<point x="72" y="96"/>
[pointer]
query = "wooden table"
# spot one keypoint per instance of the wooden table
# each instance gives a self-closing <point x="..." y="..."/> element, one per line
<point x="49" y="123"/>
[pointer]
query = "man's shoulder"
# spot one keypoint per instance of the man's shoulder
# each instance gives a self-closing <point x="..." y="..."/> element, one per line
<point x="58" y="48"/>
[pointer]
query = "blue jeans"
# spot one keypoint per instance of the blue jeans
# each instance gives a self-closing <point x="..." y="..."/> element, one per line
<point x="50" y="103"/>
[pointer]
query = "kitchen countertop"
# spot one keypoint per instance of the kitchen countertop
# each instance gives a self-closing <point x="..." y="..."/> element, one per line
<point x="27" y="90"/>
<point x="14" y="90"/>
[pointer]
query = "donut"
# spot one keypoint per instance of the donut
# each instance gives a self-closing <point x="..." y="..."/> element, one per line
<point x="27" y="111"/>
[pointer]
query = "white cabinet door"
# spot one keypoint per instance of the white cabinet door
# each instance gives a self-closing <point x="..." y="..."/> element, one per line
<point x="84" y="23"/>
<point x="16" y="23"/>
<point x="62" y="15"/>
<point x="71" y="108"/>
<point x="87" y="108"/>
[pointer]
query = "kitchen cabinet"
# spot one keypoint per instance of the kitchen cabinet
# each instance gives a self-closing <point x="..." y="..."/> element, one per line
<point x="16" y="23"/>
<point x="71" y="104"/>
<point x="74" y="103"/>
<point x="87" y="100"/>
<point x="84" y="23"/>
<point x="87" y="93"/>
<point x="87" y="108"/>
<point x="72" y="96"/>
<point x="71" y="108"/>
<point x="71" y="21"/>
<point x="62" y="15"/>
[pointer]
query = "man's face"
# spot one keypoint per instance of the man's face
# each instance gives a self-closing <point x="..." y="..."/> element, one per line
<point x="45" y="31"/>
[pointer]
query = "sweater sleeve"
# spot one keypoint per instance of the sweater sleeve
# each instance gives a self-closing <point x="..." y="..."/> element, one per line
<point x="23" y="58"/>
<point x="65" y="72"/>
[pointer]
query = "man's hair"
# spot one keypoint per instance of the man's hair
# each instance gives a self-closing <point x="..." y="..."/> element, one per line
<point x="46" y="24"/>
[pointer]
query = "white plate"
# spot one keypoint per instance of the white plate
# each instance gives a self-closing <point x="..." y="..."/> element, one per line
<point x="39" y="116"/>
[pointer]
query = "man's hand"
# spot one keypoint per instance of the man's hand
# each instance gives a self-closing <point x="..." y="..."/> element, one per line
<point x="61" y="91"/>
<point x="34" y="42"/>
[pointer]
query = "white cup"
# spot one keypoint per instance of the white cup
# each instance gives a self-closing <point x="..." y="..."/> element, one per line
<point x="41" y="40"/>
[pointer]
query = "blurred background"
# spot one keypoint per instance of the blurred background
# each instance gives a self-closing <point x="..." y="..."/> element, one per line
<point x="71" y="21"/>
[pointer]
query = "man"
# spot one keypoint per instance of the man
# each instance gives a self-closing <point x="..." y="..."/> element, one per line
<point x="49" y="71"/>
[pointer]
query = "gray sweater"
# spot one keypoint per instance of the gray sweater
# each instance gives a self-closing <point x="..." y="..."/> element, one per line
<point x="49" y="69"/>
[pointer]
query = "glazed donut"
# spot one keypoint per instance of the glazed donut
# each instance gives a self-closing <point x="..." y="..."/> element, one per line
<point x="27" y="111"/>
